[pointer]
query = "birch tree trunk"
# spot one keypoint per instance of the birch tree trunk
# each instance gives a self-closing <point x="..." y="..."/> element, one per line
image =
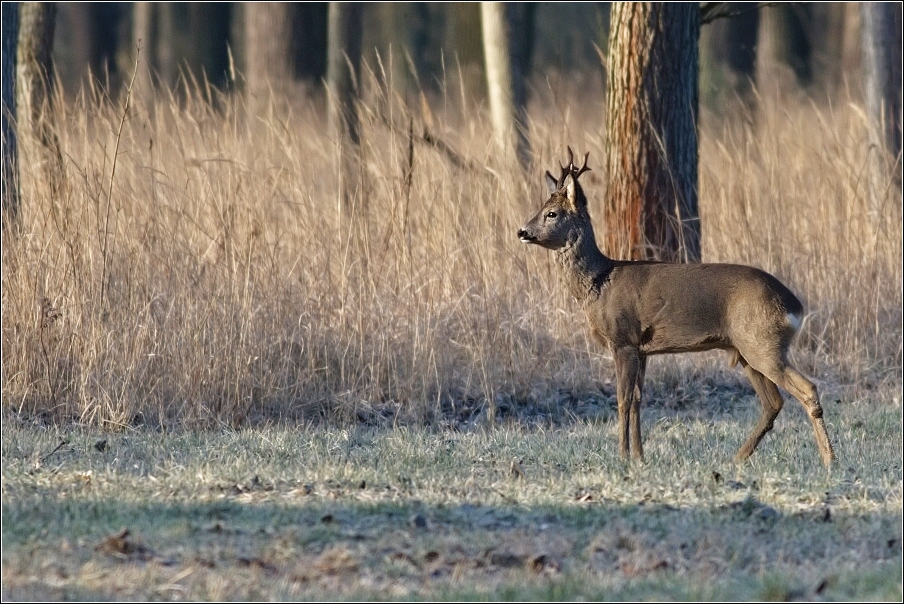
<point x="34" y="79"/>
<point x="881" y="23"/>
<point x="143" y="36"/>
<point x="651" y="208"/>
<point x="507" y="29"/>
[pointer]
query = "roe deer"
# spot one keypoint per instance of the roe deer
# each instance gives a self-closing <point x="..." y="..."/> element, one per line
<point x="639" y="308"/>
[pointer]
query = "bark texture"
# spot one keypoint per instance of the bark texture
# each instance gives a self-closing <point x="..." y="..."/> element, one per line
<point x="651" y="208"/>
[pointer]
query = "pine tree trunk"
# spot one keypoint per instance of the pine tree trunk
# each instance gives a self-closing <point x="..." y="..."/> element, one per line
<point x="10" y="37"/>
<point x="268" y="50"/>
<point x="34" y="78"/>
<point x="651" y="208"/>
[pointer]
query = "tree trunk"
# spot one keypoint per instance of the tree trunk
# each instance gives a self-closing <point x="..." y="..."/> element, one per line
<point x="10" y="18"/>
<point x="882" y="74"/>
<point x="507" y="42"/>
<point x="34" y="78"/>
<point x="310" y="25"/>
<point x="784" y="44"/>
<point x="208" y="33"/>
<point x="144" y="29"/>
<point x="827" y="36"/>
<point x="651" y="206"/>
<point x="728" y="57"/>
<point x="343" y="59"/>
<point x="268" y="51"/>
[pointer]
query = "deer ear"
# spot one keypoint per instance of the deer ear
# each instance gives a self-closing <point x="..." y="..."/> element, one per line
<point x="570" y="189"/>
<point x="573" y="191"/>
<point x="551" y="183"/>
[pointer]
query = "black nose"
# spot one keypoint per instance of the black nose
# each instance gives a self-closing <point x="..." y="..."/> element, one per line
<point x="525" y="236"/>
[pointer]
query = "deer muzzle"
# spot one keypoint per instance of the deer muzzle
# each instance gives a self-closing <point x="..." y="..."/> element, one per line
<point x="525" y="236"/>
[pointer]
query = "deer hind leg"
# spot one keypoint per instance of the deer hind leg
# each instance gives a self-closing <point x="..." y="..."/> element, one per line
<point x="804" y="391"/>
<point x="636" y="443"/>
<point x="771" y="401"/>
<point x="627" y="367"/>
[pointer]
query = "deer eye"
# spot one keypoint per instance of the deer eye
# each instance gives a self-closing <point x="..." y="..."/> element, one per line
<point x="550" y="214"/>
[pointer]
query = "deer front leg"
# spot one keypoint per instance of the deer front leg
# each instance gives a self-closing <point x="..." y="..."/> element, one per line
<point x="627" y="368"/>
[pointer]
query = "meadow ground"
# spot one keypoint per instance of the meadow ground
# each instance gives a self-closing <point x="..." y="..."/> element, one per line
<point x="536" y="508"/>
<point x="281" y="396"/>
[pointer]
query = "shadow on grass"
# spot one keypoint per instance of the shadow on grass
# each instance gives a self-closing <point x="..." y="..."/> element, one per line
<point x="306" y="545"/>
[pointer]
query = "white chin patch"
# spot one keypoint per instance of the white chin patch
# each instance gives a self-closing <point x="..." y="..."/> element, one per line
<point x="794" y="321"/>
<point x="525" y="240"/>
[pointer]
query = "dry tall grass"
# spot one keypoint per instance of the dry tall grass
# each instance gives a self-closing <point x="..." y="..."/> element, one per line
<point x="214" y="278"/>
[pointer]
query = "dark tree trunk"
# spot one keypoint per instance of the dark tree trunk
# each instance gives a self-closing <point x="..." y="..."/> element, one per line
<point x="268" y="50"/>
<point x="343" y="59"/>
<point x="651" y="206"/>
<point x="10" y="18"/>
<point x="208" y="34"/>
<point x="310" y="25"/>
<point x="728" y="56"/>
<point x="34" y="78"/>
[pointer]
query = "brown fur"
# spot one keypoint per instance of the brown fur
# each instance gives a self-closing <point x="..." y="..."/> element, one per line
<point x="637" y="309"/>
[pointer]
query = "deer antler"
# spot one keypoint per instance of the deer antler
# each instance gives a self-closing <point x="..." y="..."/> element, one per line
<point x="575" y="171"/>
<point x="570" y="168"/>
<point x="566" y="169"/>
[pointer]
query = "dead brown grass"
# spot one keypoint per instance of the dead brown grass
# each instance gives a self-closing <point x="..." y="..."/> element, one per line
<point x="215" y="278"/>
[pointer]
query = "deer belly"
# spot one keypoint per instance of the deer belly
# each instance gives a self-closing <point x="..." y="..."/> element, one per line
<point x="666" y="341"/>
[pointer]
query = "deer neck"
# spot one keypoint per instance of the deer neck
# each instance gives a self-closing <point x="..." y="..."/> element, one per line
<point x="584" y="267"/>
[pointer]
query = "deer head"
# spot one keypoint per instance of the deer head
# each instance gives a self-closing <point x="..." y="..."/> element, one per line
<point x="564" y="215"/>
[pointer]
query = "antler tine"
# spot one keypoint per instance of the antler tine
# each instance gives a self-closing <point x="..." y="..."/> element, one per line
<point x="572" y="169"/>
<point x="564" y="172"/>
<point x="582" y="169"/>
<point x="567" y="168"/>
